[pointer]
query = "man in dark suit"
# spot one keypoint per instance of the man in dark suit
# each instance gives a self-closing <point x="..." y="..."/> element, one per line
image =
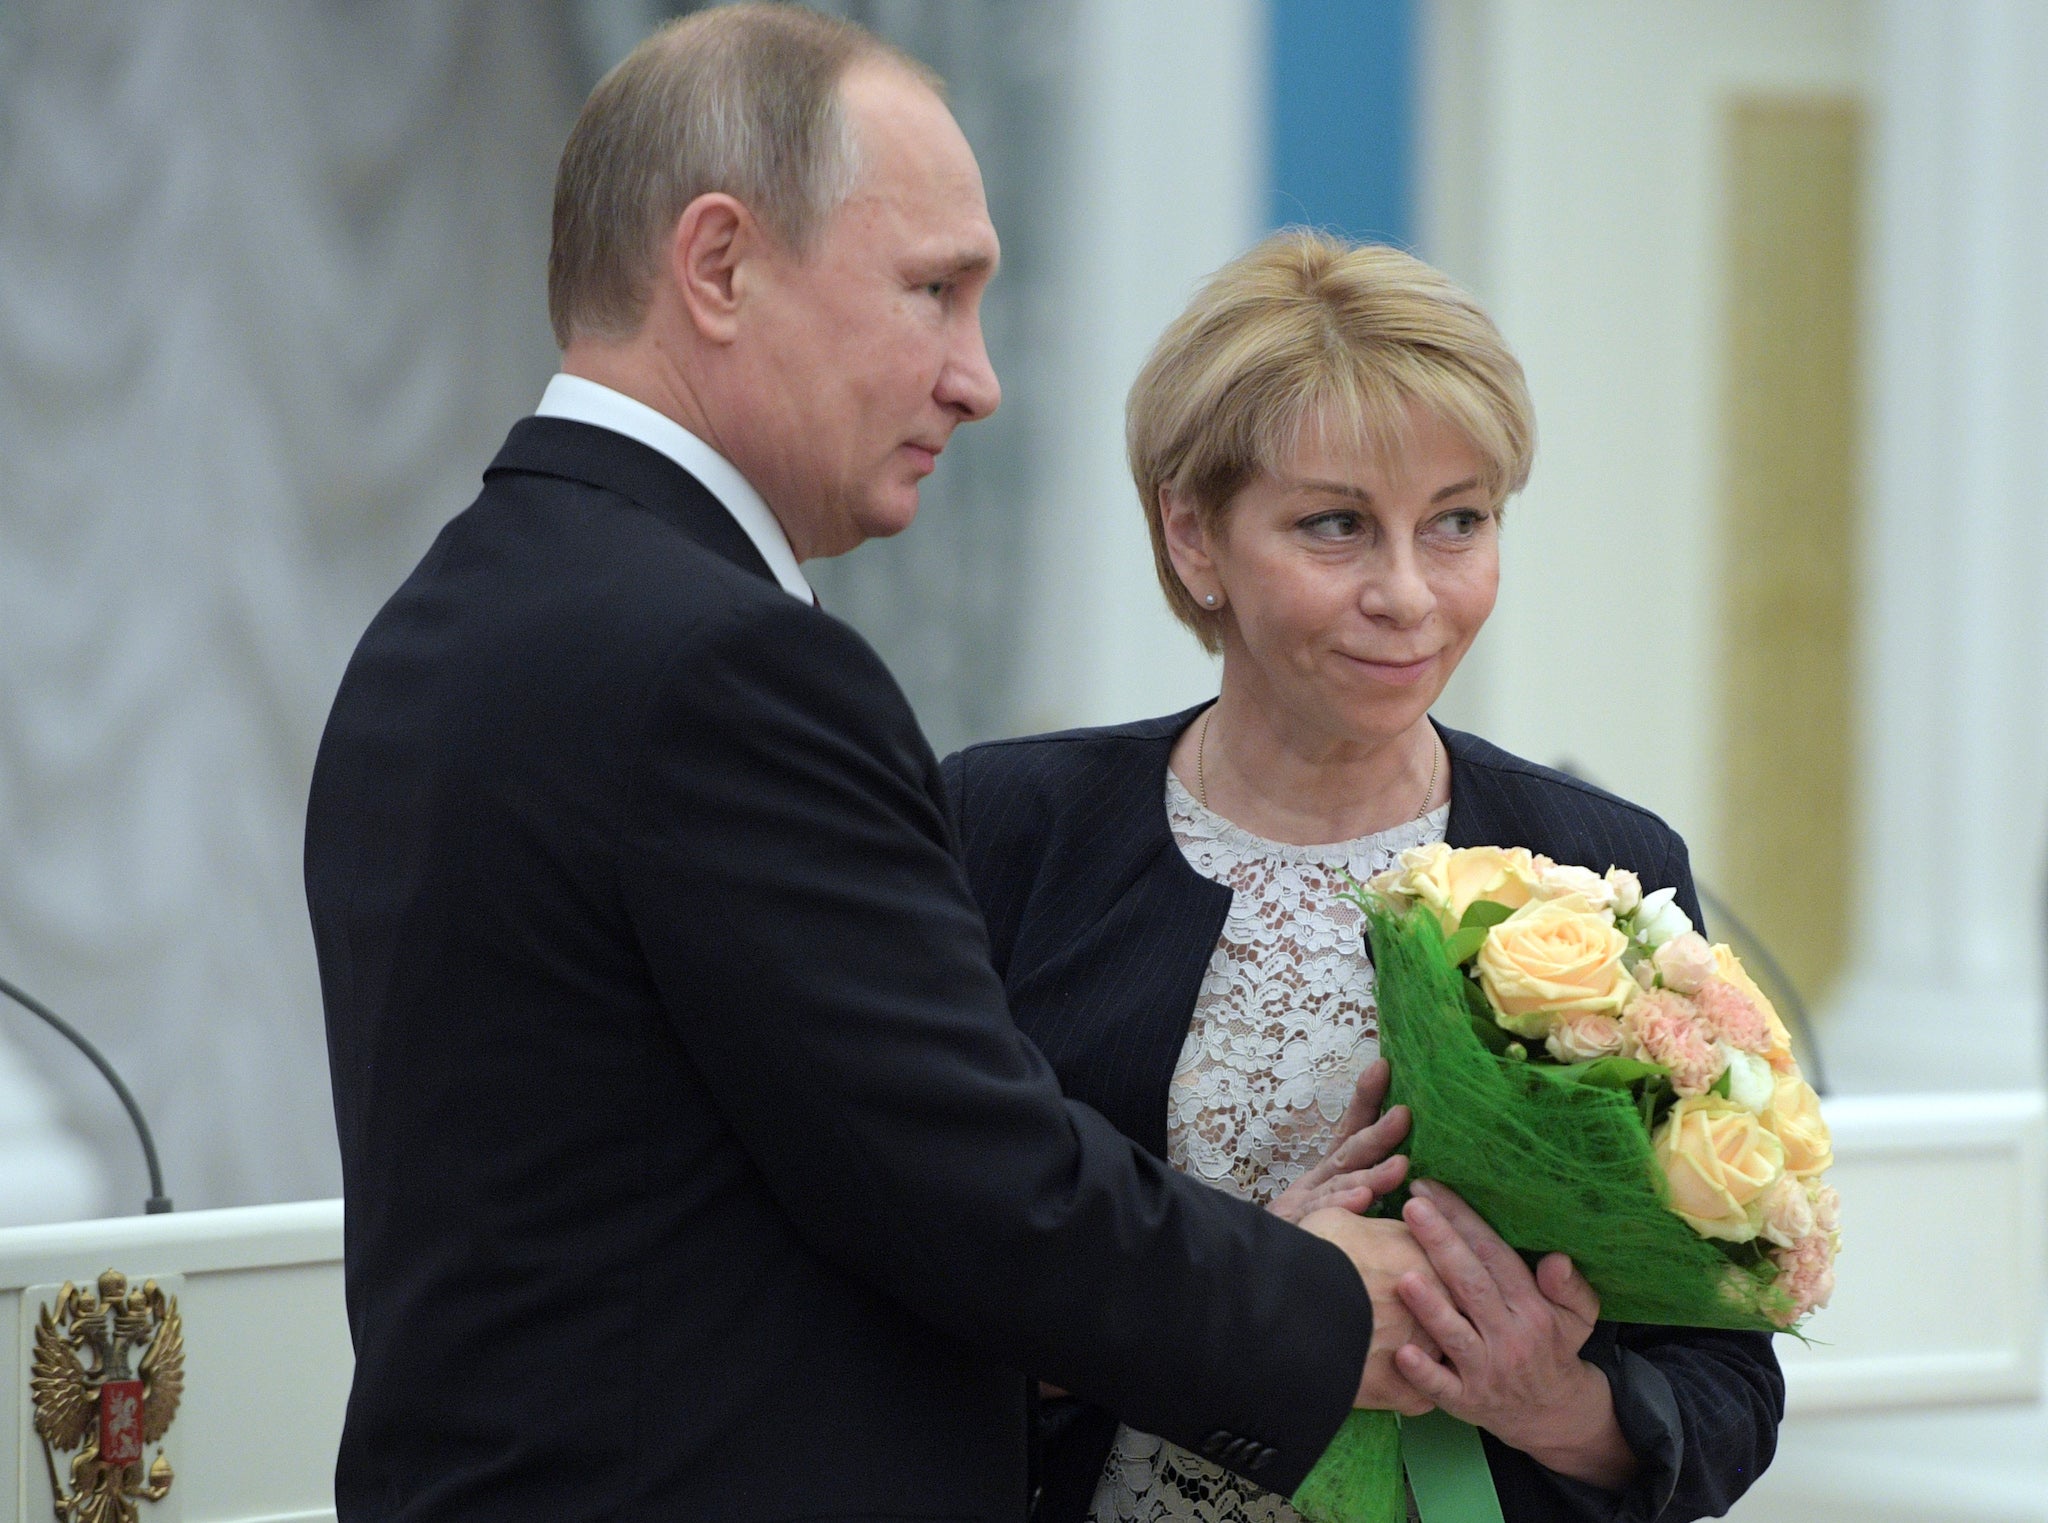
<point x="694" y="1166"/>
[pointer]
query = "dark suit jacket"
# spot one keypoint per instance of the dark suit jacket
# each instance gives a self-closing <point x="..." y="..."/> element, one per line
<point x="1102" y="932"/>
<point x="694" y="1166"/>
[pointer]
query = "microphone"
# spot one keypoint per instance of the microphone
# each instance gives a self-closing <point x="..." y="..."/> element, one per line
<point x="158" y="1202"/>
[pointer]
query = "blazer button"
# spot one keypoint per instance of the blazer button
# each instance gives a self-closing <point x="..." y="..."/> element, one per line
<point x="1263" y="1459"/>
<point x="1217" y="1443"/>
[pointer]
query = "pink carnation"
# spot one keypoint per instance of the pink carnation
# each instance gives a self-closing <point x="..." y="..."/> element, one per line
<point x="1668" y="1030"/>
<point x="1733" y="1016"/>
<point x="1806" y="1273"/>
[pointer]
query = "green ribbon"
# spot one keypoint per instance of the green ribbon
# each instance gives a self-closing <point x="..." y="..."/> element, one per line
<point x="1447" y="1470"/>
<point x="1358" y="1479"/>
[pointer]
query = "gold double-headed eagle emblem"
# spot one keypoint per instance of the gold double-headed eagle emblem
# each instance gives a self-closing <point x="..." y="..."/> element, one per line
<point x="94" y="1395"/>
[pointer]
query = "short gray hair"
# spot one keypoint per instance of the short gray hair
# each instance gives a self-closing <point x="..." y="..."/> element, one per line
<point x="742" y="99"/>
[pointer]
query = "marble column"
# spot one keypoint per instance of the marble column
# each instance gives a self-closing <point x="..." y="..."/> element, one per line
<point x="1951" y="934"/>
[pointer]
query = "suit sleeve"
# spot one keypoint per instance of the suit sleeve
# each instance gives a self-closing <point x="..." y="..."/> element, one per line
<point x="1699" y="1406"/>
<point x="789" y="867"/>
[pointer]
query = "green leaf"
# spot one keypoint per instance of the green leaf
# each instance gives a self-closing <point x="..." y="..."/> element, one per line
<point x="1461" y="946"/>
<point x="1483" y="914"/>
<point x="1491" y="1036"/>
<point x="1720" y="1085"/>
<point x="1611" y="1073"/>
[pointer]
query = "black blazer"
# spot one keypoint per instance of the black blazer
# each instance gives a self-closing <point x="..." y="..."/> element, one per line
<point x="1102" y="932"/>
<point x="694" y="1166"/>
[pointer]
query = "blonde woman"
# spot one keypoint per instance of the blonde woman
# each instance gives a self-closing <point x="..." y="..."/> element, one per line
<point x="1323" y="445"/>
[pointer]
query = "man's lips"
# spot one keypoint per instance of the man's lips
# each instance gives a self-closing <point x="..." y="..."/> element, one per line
<point x="926" y="455"/>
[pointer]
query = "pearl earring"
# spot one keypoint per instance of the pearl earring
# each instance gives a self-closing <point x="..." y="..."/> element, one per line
<point x="1210" y="600"/>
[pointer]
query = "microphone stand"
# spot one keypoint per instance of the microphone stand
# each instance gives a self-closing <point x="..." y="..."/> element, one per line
<point x="158" y="1202"/>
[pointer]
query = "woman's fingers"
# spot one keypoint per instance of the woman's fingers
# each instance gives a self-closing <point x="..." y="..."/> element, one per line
<point x="1369" y="1144"/>
<point x="1467" y="1277"/>
<point x="1441" y="1332"/>
<point x="1509" y="1274"/>
<point x="1439" y="1382"/>
<point x="1566" y="1289"/>
<point x="1368" y="1093"/>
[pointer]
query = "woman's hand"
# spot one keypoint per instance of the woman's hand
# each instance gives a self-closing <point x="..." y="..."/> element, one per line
<point x="1361" y="1165"/>
<point x="1510" y="1343"/>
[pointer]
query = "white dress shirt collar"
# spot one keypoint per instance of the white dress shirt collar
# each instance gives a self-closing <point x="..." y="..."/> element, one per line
<point x="585" y="401"/>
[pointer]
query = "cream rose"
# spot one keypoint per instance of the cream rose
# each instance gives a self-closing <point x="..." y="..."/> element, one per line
<point x="1452" y="881"/>
<point x="1779" y="1053"/>
<point x="1685" y="962"/>
<point x="1794" y="1118"/>
<point x="1658" y="918"/>
<point x="1552" y="958"/>
<point x="1628" y="890"/>
<point x="1719" y="1161"/>
<point x="1563" y="880"/>
<point x="1751" y="1084"/>
<point x="1583" y="1036"/>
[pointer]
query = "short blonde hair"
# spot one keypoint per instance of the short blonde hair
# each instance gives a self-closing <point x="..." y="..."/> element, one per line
<point x="742" y="99"/>
<point x="1305" y="327"/>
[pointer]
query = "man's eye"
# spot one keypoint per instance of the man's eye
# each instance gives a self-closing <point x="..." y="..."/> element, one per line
<point x="937" y="288"/>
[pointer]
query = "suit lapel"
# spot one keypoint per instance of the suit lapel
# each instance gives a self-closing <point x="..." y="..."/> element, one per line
<point x="597" y="457"/>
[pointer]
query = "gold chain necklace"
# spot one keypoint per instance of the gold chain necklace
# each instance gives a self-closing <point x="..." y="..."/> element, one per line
<point x="1436" y="761"/>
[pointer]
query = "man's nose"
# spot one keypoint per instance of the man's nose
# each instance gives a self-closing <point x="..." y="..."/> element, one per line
<point x="968" y="384"/>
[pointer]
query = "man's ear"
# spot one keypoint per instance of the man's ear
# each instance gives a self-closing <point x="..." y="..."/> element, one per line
<point x="713" y="240"/>
<point x="1187" y="542"/>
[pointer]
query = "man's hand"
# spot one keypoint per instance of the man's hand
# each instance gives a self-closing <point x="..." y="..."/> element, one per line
<point x="1361" y="1165"/>
<point x="1384" y="1253"/>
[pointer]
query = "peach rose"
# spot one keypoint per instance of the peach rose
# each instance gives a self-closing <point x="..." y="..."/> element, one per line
<point x="1664" y="1028"/>
<point x="1719" y="1162"/>
<point x="1827" y="1206"/>
<point x="1729" y="966"/>
<point x="1583" y="1036"/>
<point x="1551" y="958"/>
<point x="1794" y="1118"/>
<point x="1451" y="881"/>
<point x="1785" y="1212"/>
<point x="1684" y="962"/>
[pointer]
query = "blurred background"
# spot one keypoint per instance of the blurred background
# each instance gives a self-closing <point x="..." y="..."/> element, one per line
<point x="271" y="292"/>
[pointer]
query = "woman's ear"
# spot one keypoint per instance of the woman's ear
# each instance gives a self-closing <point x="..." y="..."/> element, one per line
<point x="1188" y="545"/>
<point x="713" y="241"/>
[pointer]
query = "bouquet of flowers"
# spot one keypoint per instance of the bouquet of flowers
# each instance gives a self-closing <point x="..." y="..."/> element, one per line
<point x="1595" y="1079"/>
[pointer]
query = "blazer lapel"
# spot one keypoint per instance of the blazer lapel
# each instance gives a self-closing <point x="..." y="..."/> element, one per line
<point x="582" y="452"/>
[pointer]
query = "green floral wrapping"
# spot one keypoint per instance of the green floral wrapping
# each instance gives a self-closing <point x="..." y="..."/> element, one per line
<point x="1554" y="1162"/>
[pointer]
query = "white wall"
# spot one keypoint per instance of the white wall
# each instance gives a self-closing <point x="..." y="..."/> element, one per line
<point x="1169" y="181"/>
<point x="1571" y="178"/>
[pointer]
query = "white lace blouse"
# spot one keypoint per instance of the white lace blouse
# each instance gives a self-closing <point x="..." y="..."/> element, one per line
<point x="1284" y="1022"/>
